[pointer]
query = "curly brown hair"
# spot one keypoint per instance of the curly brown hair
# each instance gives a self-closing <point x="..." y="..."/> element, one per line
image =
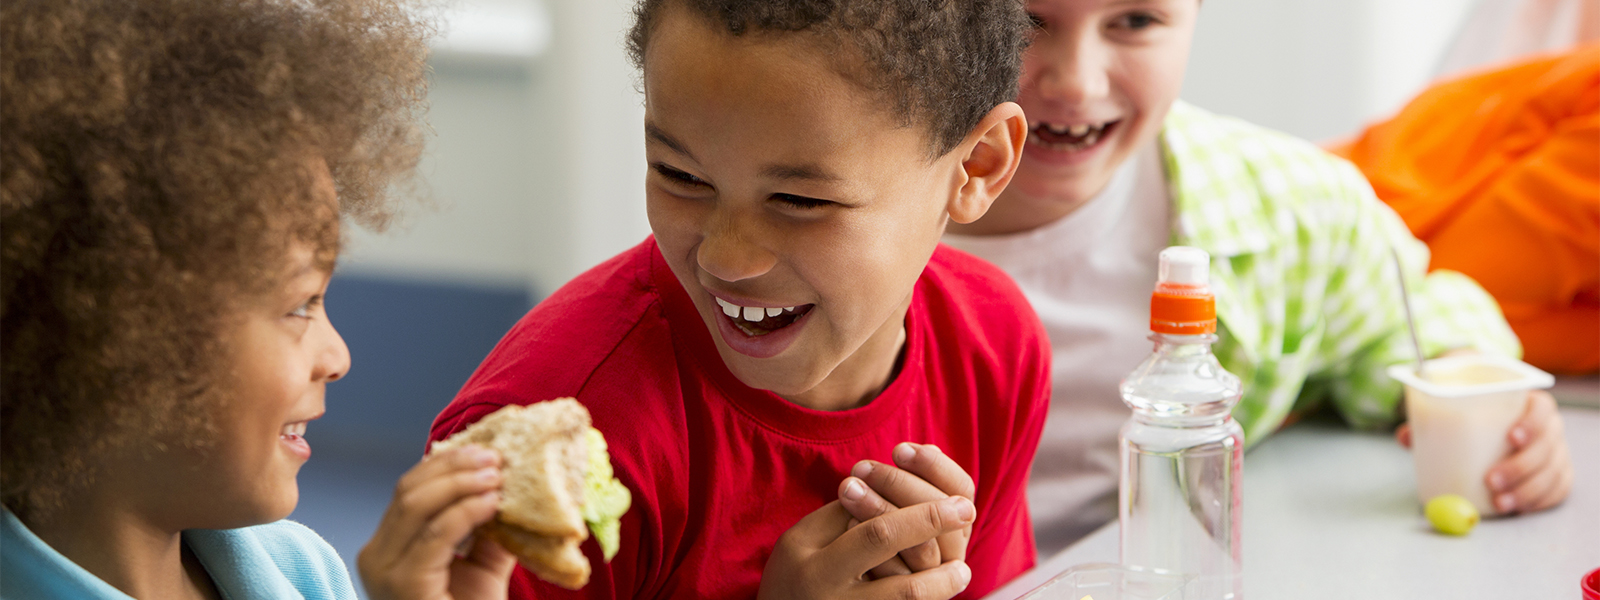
<point x="153" y="173"/>
<point x="943" y="64"/>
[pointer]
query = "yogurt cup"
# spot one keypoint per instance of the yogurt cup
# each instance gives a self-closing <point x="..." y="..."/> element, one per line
<point x="1460" y="416"/>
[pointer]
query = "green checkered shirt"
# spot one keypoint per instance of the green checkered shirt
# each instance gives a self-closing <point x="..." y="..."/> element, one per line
<point x="1308" y="303"/>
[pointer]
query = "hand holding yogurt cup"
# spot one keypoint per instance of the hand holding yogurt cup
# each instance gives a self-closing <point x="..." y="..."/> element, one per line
<point x="1482" y="427"/>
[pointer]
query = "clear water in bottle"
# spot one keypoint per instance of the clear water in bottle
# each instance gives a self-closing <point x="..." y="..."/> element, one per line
<point x="1182" y="452"/>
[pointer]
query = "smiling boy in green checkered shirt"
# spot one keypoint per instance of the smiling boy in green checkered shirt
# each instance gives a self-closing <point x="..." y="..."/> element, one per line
<point x="1308" y="301"/>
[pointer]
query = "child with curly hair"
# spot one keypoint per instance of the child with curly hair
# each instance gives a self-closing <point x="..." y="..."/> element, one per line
<point x="173" y="176"/>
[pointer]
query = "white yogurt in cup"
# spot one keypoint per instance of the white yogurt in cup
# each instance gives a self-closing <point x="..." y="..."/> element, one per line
<point x="1460" y="416"/>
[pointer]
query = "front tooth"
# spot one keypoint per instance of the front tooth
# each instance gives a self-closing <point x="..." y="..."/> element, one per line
<point x="728" y="308"/>
<point x="1078" y="129"/>
<point x="774" y="311"/>
<point x="752" y="313"/>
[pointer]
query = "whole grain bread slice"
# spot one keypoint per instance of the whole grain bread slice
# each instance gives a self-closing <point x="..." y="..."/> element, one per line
<point x="544" y="459"/>
<point x="557" y="560"/>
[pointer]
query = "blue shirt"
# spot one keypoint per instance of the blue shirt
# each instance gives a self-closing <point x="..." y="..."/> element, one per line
<point x="277" y="561"/>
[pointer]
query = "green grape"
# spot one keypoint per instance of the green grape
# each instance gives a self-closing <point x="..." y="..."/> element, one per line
<point x="1451" y="514"/>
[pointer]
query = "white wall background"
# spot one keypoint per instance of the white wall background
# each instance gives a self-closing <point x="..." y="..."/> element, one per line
<point x="537" y="170"/>
<point x="1317" y="68"/>
<point x="538" y="165"/>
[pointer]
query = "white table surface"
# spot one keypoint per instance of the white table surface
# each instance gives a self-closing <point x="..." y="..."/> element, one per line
<point x="1332" y="514"/>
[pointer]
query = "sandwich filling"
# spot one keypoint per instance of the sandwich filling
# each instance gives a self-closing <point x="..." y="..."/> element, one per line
<point x="605" y="499"/>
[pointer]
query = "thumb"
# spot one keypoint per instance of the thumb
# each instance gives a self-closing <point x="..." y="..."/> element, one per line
<point x="491" y="556"/>
<point x="483" y="573"/>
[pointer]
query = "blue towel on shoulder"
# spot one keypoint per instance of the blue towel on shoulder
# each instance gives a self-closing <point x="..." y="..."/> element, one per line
<point x="277" y="561"/>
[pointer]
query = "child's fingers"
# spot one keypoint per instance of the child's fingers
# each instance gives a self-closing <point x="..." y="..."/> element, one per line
<point x="484" y="573"/>
<point x="1554" y="495"/>
<point x="933" y="466"/>
<point x="864" y="505"/>
<point x="1535" y="497"/>
<point x="404" y="558"/>
<point x="861" y="501"/>
<point x="902" y="488"/>
<point x="1537" y="420"/>
<point x="490" y="556"/>
<point x="413" y="508"/>
<point x="890" y="568"/>
<point x="819" y="528"/>
<point x="930" y="463"/>
<point x="434" y="545"/>
<point x="404" y="513"/>
<point x="1402" y="434"/>
<point x="1525" y="461"/>
<point x="896" y="485"/>
<point x="939" y="583"/>
<point x="874" y="542"/>
<point x="1546" y="486"/>
<point x="459" y="459"/>
<point x="893" y="567"/>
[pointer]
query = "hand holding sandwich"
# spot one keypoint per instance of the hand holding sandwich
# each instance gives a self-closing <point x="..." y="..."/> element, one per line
<point x="558" y="487"/>
<point x="436" y="507"/>
<point x="531" y="481"/>
<point x="823" y="557"/>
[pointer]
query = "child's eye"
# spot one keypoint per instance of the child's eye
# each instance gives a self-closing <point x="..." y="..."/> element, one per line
<point x="800" y="202"/>
<point x="305" y="309"/>
<point x="1135" y="21"/>
<point x="676" y="175"/>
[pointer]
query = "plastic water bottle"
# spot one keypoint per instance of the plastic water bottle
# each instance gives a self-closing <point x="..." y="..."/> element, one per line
<point x="1182" y="452"/>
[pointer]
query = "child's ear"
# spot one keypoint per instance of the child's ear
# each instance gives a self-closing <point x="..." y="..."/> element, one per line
<point x="992" y="152"/>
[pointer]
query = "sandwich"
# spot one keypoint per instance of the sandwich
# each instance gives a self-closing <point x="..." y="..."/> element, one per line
<point x="557" y="490"/>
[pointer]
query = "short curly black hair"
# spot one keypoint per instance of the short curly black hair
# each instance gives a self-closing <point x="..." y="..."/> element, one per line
<point x="943" y="64"/>
<point x="158" y="159"/>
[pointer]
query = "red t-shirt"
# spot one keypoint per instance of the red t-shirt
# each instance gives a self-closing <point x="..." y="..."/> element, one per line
<point x="719" y="470"/>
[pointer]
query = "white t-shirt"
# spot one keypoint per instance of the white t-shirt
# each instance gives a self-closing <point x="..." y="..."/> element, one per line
<point x="1089" y="276"/>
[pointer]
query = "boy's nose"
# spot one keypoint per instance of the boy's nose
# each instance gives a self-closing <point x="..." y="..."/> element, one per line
<point x="333" y="358"/>
<point x="1072" y="74"/>
<point x="730" y="251"/>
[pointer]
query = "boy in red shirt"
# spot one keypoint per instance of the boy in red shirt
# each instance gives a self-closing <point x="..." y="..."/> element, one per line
<point x="806" y="394"/>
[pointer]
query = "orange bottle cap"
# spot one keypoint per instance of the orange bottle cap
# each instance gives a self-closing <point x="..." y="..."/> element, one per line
<point x="1183" y="313"/>
<point x="1182" y="303"/>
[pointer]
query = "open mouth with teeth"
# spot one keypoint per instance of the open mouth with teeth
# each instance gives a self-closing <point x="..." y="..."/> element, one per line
<point x="756" y="321"/>
<point x="293" y="431"/>
<point x="1069" y="137"/>
<point x="292" y="435"/>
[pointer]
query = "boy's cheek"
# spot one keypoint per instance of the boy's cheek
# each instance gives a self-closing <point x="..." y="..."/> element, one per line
<point x="675" y="236"/>
<point x="664" y="221"/>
